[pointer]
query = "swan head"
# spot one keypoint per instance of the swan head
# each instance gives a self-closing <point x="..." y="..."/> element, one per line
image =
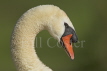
<point x="56" y="21"/>
<point x="61" y="28"/>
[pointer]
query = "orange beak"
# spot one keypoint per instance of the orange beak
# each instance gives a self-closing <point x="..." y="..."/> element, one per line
<point x="68" y="45"/>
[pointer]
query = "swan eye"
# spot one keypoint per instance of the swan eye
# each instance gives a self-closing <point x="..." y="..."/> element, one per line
<point x="66" y="25"/>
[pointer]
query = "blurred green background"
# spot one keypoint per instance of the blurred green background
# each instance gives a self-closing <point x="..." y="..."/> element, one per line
<point x="89" y="18"/>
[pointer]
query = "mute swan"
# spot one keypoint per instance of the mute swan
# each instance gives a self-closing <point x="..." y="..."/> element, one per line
<point x="48" y="17"/>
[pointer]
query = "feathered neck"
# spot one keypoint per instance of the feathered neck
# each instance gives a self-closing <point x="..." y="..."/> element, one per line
<point x="23" y="37"/>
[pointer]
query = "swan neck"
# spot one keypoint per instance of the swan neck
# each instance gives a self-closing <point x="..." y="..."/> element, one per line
<point x="22" y="45"/>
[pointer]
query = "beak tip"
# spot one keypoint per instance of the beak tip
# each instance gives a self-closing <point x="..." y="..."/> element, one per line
<point x="72" y="58"/>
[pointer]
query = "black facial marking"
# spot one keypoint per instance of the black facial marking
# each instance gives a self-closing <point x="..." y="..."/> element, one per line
<point x="68" y="31"/>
